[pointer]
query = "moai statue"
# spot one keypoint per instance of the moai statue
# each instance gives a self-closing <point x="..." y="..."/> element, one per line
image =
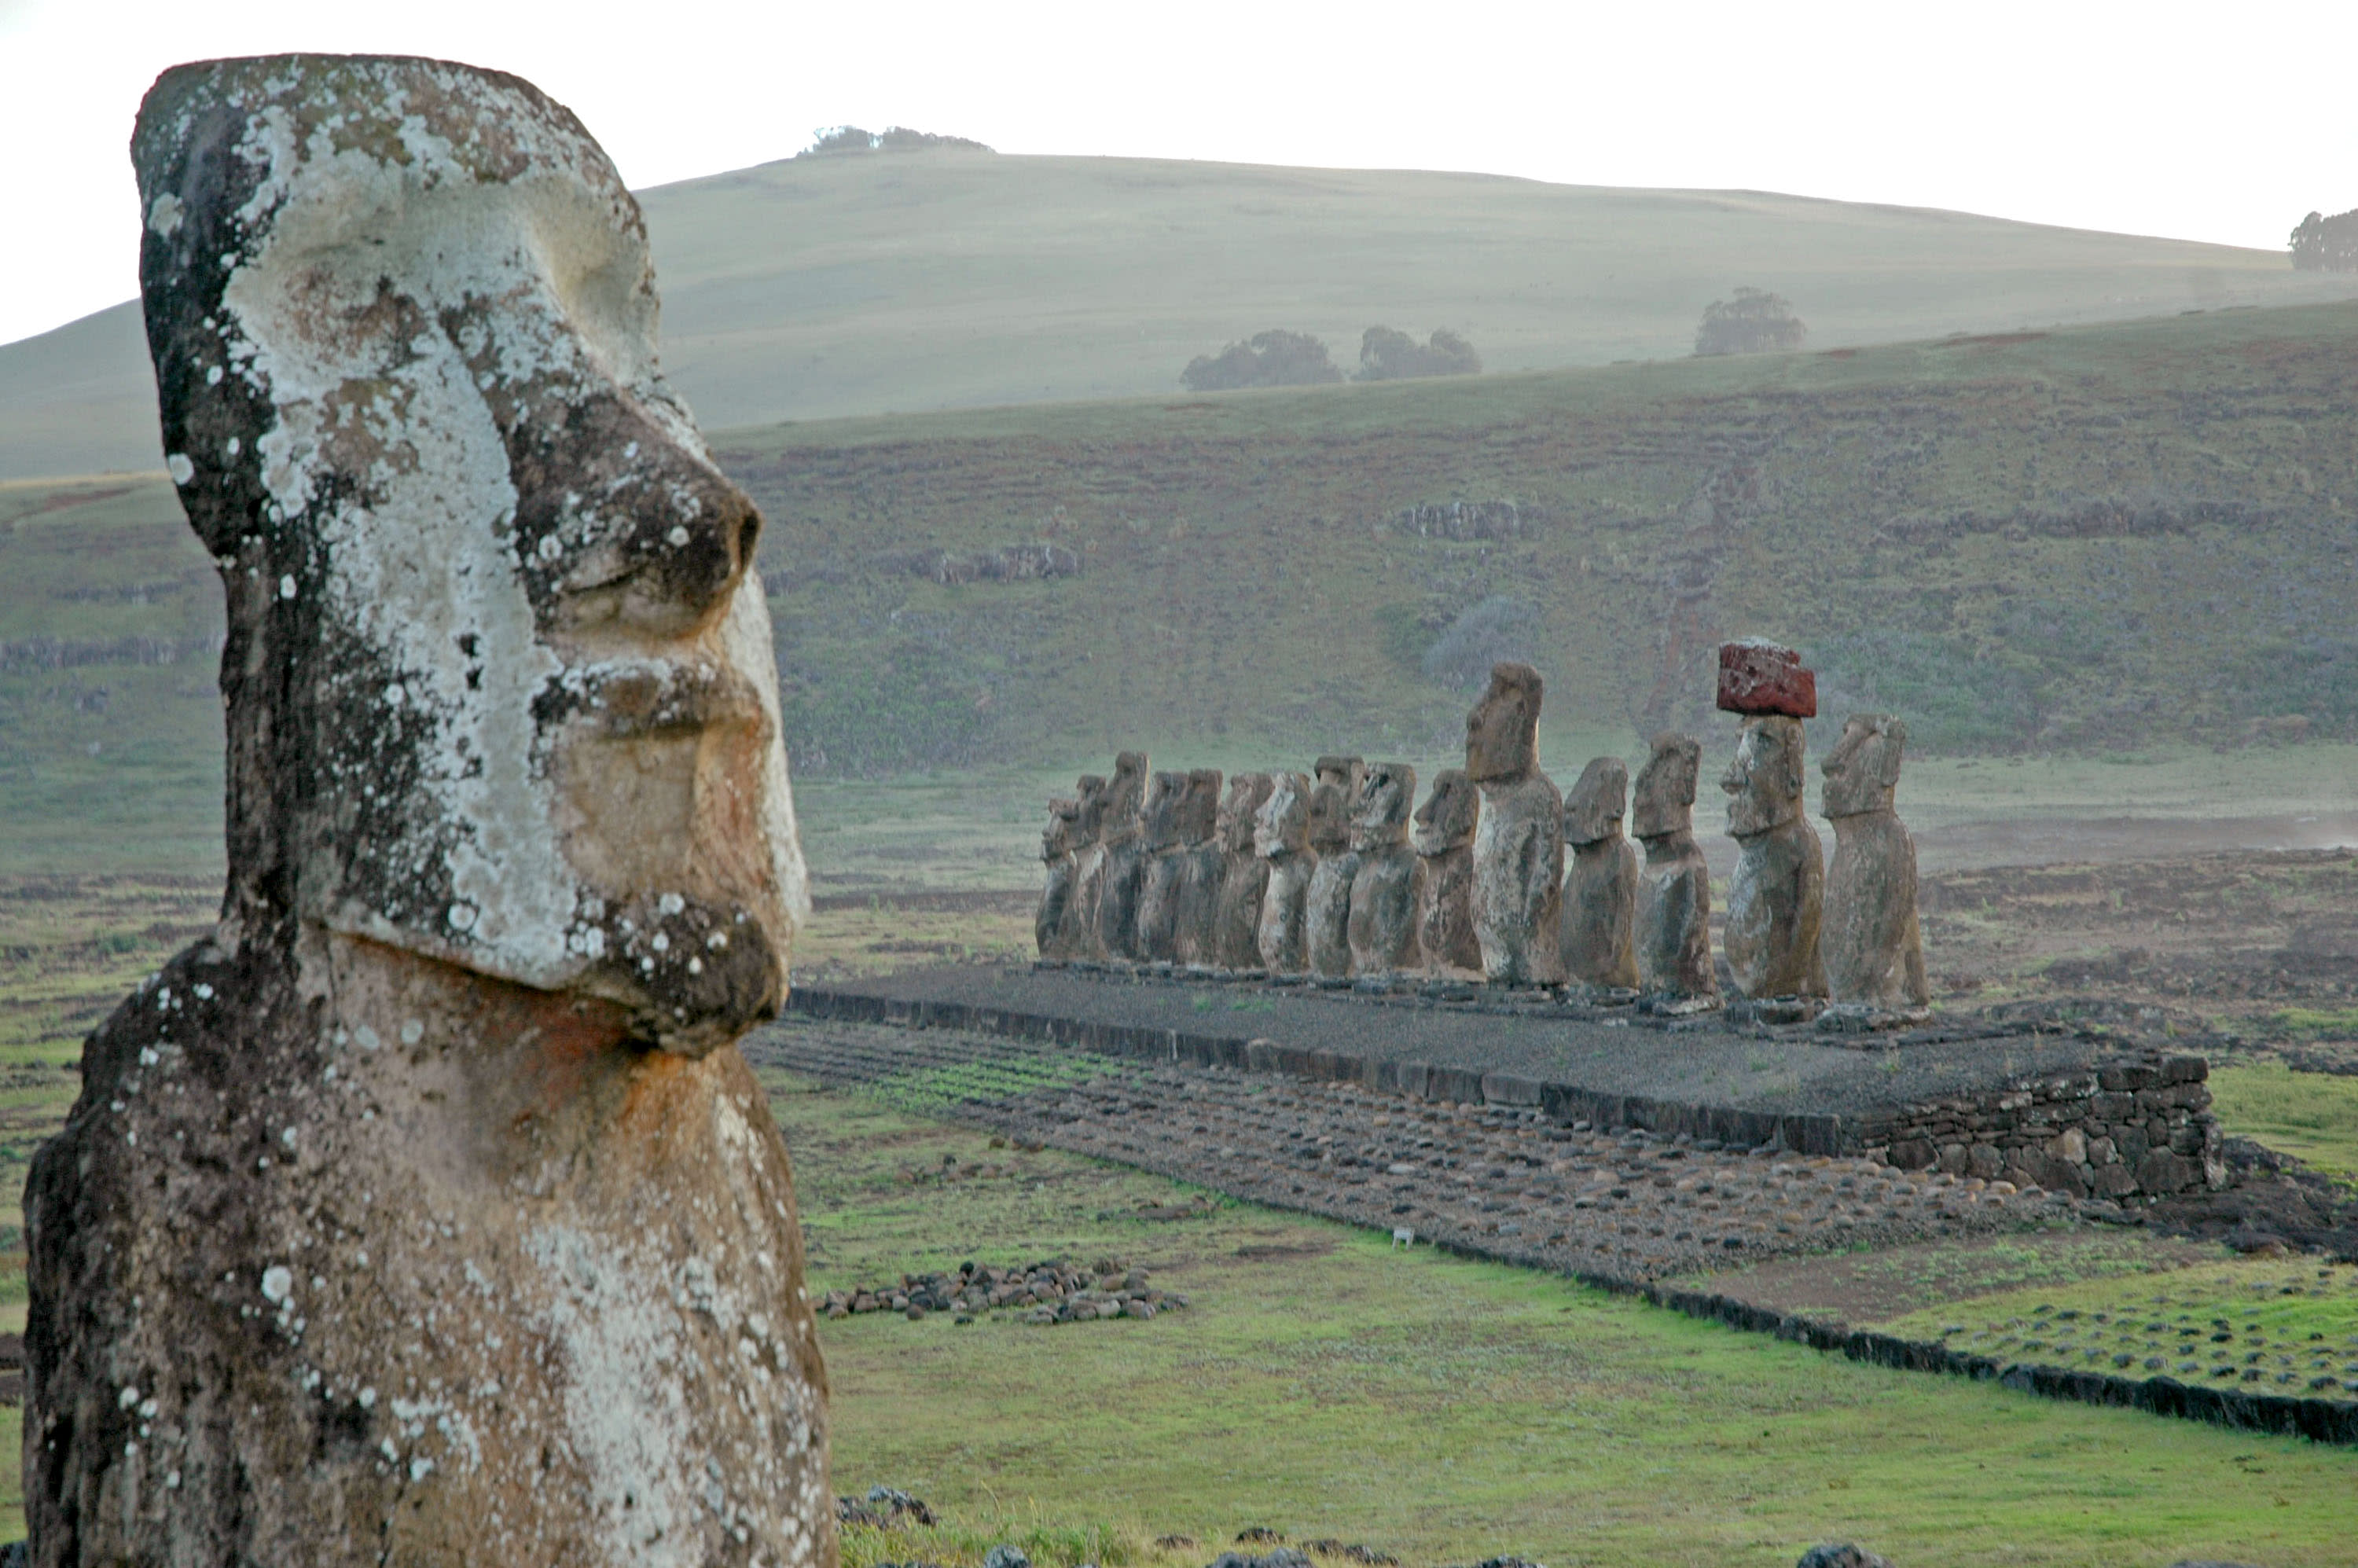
<point x="1113" y="876"/>
<point x="1389" y="877"/>
<point x="1874" y="949"/>
<point x="1244" y="875"/>
<point x="1076" y="933"/>
<point x="1443" y="840"/>
<point x="1158" y="888"/>
<point x="1770" y="935"/>
<point x="1517" y="891"/>
<point x="1600" y="885"/>
<point x="1334" y="804"/>
<point x="1673" y="924"/>
<point x="1281" y="838"/>
<point x="425" y="1210"/>
<point x="1059" y="853"/>
<point x="1196" y="892"/>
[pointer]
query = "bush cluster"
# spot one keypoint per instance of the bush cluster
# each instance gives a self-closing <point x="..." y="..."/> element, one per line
<point x="837" y="140"/>
<point x="1274" y="358"/>
<point x="1756" y="321"/>
<point x="2325" y="244"/>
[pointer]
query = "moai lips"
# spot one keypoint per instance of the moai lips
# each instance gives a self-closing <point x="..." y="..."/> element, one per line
<point x="1757" y="677"/>
<point x="345" y="1255"/>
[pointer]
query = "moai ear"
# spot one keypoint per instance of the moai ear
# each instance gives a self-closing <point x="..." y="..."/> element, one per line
<point x="1793" y="751"/>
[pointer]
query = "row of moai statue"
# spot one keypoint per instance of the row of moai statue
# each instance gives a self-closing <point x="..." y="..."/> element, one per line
<point x="1327" y="875"/>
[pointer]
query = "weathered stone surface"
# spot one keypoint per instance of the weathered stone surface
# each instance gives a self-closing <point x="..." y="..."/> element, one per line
<point x="1774" y="900"/>
<point x="1756" y="676"/>
<point x="1196" y="891"/>
<point x="1060" y="856"/>
<point x="1873" y="946"/>
<point x="1516" y="897"/>
<point x="1113" y="869"/>
<point x="1334" y="804"/>
<point x="1244" y="875"/>
<point x="1600" y="885"/>
<point x="1389" y="877"/>
<point x="1840" y="1555"/>
<point x="1443" y="840"/>
<point x="345" y="1254"/>
<point x="1281" y="838"/>
<point x="1673" y="924"/>
<point x="1075" y="935"/>
<point x="1157" y="885"/>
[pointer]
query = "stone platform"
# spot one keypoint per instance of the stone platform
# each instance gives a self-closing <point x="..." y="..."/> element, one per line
<point x="2039" y="1103"/>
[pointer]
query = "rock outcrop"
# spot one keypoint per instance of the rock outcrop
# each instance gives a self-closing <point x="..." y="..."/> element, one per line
<point x="1600" y="885"/>
<point x="1770" y="933"/>
<point x="1673" y="928"/>
<point x="425" y="1211"/>
<point x="1281" y="838"/>
<point x="1334" y="804"/>
<point x="1874" y="947"/>
<point x="1387" y="877"/>
<point x="1519" y="836"/>
<point x="1244" y="875"/>
<point x="1443" y="840"/>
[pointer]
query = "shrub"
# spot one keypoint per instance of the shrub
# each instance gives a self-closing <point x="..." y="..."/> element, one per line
<point x="1755" y="321"/>
<point x="835" y="140"/>
<point x="1274" y="358"/>
<point x="2325" y="244"/>
<point x="1386" y="354"/>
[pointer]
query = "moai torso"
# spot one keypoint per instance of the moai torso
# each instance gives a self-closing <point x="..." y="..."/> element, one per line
<point x="1202" y="869"/>
<point x="1244" y="875"/>
<point x="1874" y="947"/>
<point x="1600" y="884"/>
<point x="1157" y="885"/>
<point x="1389" y="877"/>
<point x="425" y="1211"/>
<point x="1334" y="803"/>
<point x="1770" y="935"/>
<point x="1443" y="840"/>
<point x="1113" y="876"/>
<point x="1282" y="839"/>
<point x="1673" y="920"/>
<point x="1517" y="896"/>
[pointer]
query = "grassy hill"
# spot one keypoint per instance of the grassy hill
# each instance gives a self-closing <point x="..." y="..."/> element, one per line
<point x="814" y="288"/>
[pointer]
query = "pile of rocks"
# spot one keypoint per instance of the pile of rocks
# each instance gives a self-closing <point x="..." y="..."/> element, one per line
<point x="1051" y="1291"/>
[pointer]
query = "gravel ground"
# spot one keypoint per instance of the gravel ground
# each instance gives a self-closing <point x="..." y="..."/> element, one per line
<point x="1495" y="1181"/>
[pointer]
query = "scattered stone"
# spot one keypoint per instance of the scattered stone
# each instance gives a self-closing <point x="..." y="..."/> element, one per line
<point x="1005" y="1556"/>
<point x="1443" y="840"/>
<point x="512" y="865"/>
<point x="1257" y="1534"/>
<point x="1281" y="838"/>
<point x="1759" y="678"/>
<point x="1600" y="885"/>
<point x="1674" y="919"/>
<point x="1840" y="1555"/>
<point x="1874" y="949"/>
<point x="1775" y="899"/>
<point x="1049" y="1292"/>
<point x="1386" y="886"/>
<point x="1353" y="1551"/>
<point x="1244" y="876"/>
<point x="1517" y="896"/>
<point x="881" y="1507"/>
<point x="1174" y="1543"/>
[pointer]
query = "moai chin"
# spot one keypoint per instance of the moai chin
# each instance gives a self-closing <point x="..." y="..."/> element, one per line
<point x="1158" y="889"/>
<point x="1673" y="921"/>
<point x="1874" y="947"/>
<point x="1600" y="884"/>
<point x="1059" y="855"/>
<point x="1770" y="932"/>
<point x="1515" y="899"/>
<point x="1443" y="840"/>
<point x="1281" y="838"/>
<point x="1334" y="804"/>
<point x="511" y="864"/>
<point x="1244" y="875"/>
<point x="1389" y="878"/>
<point x="1202" y="868"/>
<point x="1114" y="877"/>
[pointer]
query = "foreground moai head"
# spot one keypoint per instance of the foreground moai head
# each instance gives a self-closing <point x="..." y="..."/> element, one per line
<point x="1281" y="828"/>
<point x="1593" y="810"/>
<point x="1763" y="783"/>
<point x="403" y="318"/>
<point x="1446" y="820"/>
<point x="1863" y="770"/>
<point x="1664" y="801"/>
<point x="1333" y="801"/>
<point x="1159" y="819"/>
<point x="1502" y="732"/>
<point x="1247" y="792"/>
<point x="1385" y="799"/>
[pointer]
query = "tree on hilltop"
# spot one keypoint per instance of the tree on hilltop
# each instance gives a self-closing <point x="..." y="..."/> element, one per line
<point x="836" y="140"/>
<point x="1387" y="355"/>
<point x="1756" y="321"/>
<point x="1274" y="358"/>
<point x="2325" y="244"/>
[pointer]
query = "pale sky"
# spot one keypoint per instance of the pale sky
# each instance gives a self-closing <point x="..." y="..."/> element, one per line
<point x="2222" y="123"/>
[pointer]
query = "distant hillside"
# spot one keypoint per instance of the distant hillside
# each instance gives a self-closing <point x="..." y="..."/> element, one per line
<point x="826" y="286"/>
